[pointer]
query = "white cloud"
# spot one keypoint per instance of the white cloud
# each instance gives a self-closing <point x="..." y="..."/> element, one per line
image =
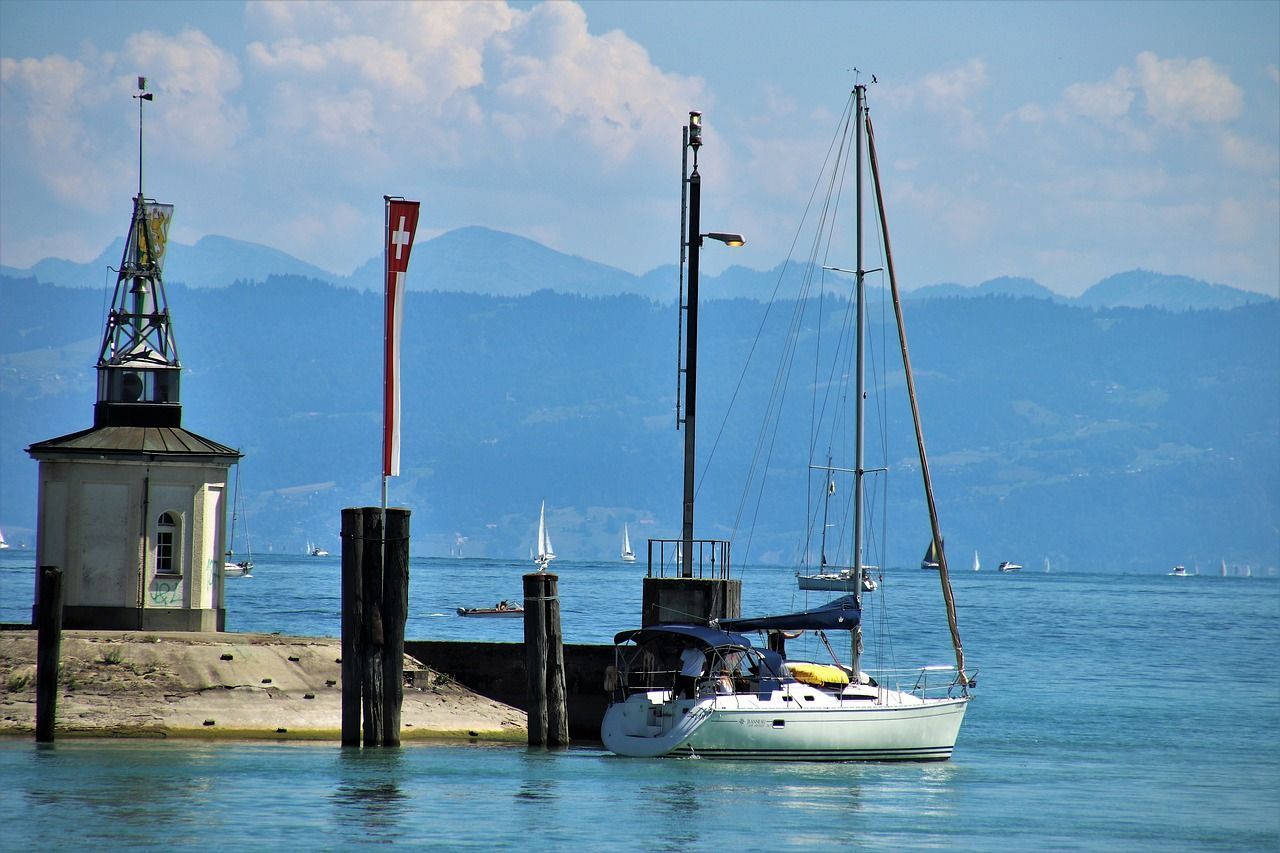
<point x="1107" y="101"/>
<point x="1181" y="92"/>
<point x="197" y="80"/>
<point x="1249" y="155"/>
<point x="45" y="100"/>
<point x="949" y="94"/>
<point x="1174" y="93"/>
<point x="601" y="90"/>
<point x="449" y="74"/>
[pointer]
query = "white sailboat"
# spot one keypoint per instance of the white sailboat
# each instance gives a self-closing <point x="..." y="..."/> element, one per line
<point x="628" y="556"/>
<point x="1046" y="565"/>
<point x="829" y="577"/>
<point x="232" y="567"/>
<point x="3" y="544"/>
<point x="545" y="552"/>
<point x="734" y="698"/>
<point x="977" y="565"/>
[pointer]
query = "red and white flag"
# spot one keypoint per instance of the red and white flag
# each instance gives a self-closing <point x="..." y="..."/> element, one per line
<point x="402" y="221"/>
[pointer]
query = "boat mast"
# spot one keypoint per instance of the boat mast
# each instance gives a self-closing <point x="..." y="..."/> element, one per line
<point x="860" y="95"/>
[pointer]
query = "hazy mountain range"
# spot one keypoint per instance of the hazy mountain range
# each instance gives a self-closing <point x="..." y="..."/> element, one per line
<point x="1100" y="437"/>
<point x="480" y="260"/>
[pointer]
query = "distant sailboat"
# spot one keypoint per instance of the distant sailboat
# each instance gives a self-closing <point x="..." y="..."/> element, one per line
<point x="977" y="565"/>
<point x="545" y="552"/>
<point x="231" y="567"/>
<point x="3" y="544"/>
<point x="628" y="556"/>
<point x="930" y="561"/>
<point x="1224" y="568"/>
<point x="1046" y="565"/>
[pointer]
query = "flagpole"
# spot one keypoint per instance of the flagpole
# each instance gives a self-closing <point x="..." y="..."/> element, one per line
<point x="386" y="379"/>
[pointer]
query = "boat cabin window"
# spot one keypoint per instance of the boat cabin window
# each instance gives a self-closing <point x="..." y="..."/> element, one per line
<point x="166" y="544"/>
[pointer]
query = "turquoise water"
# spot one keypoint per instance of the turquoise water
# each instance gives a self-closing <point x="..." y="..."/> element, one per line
<point x="1113" y="712"/>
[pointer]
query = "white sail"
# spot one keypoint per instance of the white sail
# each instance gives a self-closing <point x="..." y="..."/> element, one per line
<point x="545" y="552"/>
<point x="977" y="565"/>
<point x="628" y="556"/>
<point x="3" y="544"/>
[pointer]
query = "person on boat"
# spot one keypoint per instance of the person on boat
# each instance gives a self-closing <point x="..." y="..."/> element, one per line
<point x="693" y="663"/>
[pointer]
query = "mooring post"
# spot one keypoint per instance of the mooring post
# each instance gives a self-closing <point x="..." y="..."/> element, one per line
<point x="535" y="650"/>
<point x="395" y="609"/>
<point x="352" y="622"/>
<point x="557" y="706"/>
<point x="48" y="650"/>
<point x="373" y="636"/>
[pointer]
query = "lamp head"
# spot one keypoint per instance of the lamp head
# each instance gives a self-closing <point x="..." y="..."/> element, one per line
<point x="727" y="239"/>
<point x="695" y="129"/>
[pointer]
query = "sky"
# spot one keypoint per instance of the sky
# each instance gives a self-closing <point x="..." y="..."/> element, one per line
<point x="1063" y="142"/>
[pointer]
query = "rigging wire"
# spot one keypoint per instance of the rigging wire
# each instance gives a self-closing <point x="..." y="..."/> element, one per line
<point x="773" y="298"/>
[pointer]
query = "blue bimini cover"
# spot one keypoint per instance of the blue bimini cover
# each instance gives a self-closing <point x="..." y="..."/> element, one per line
<point x="688" y="635"/>
<point x="839" y="615"/>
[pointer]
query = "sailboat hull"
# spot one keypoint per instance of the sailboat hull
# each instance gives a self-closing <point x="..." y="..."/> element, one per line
<point x="891" y="727"/>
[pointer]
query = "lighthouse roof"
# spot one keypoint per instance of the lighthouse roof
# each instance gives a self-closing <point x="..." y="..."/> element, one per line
<point x="139" y="441"/>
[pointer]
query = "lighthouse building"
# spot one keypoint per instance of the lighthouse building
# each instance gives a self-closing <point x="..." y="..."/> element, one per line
<point x="133" y="509"/>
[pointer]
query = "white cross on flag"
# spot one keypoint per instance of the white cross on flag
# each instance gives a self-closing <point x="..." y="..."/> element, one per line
<point x="402" y="221"/>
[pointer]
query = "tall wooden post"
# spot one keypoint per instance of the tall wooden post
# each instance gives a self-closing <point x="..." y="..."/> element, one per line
<point x="48" y="650"/>
<point x="395" y="609"/>
<point x="352" y="622"/>
<point x="535" y="649"/>
<point x="373" y="636"/>
<point x="557" y="707"/>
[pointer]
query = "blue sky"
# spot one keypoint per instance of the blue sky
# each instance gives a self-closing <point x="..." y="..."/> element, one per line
<point x="1059" y="141"/>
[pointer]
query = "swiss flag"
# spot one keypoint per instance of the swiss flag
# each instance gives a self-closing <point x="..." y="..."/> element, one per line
<point x="402" y="222"/>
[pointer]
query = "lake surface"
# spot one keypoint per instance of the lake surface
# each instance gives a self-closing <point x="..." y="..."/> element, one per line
<point x="1113" y="712"/>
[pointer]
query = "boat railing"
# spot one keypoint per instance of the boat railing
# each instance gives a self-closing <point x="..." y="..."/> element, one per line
<point x="709" y="558"/>
<point x="927" y="682"/>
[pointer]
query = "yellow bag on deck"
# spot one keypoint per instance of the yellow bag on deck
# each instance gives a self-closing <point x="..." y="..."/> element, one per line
<point x="817" y="674"/>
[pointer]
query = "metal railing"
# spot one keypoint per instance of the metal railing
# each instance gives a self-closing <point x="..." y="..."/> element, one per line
<point x="709" y="558"/>
<point x="927" y="682"/>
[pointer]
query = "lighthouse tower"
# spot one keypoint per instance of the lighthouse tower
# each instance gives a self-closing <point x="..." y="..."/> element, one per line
<point x="133" y="509"/>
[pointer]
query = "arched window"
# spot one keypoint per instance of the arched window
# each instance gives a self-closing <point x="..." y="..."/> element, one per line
<point x="166" y="545"/>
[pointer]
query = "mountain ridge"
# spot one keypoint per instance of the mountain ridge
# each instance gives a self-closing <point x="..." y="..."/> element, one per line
<point x="476" y="259"/>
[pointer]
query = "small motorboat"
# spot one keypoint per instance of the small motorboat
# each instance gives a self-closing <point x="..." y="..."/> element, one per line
<point x="1179" y="572"/>
<point x="502" y="610"/>
<point x="1009" y="566"/>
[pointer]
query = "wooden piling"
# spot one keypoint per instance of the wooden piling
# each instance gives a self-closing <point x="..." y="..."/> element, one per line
<point x="535" y="647"/>
<point x="48" y="650"/>
<point x="371" y="651"/>
<point x="557" y="707"/>
<point x="395" y="609"/>
<point x="352" y="622"/>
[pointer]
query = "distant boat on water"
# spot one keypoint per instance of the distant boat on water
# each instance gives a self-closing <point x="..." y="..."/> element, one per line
<point x="930" y="561"/>
<point x="502" y="610"/>
<point x="628" y="556"/>
<point x="1179" y="572"/>
<point x="1010" y="566"/>
<point x="545" y="552"/>
<point x="3" y="544"/>
<point x="314" y="550"/>
<point x="977" y="564"/>
<point x="1046" y="565"/>
<point x="231" y="567"/>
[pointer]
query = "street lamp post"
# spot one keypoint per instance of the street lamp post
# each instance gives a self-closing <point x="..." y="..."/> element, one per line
<point x="694" y="243"/>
